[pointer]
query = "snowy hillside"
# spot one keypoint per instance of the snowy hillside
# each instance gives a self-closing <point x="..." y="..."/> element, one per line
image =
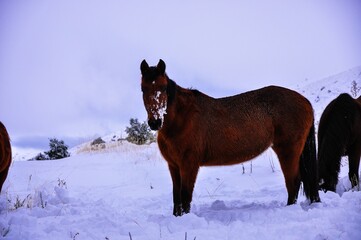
<point x="124" y="191"/>
<point x="322" y="92"/>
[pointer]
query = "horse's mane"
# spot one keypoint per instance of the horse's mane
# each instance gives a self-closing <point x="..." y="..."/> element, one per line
<point x="173" y="88"/>
<point x="334" y="132"/>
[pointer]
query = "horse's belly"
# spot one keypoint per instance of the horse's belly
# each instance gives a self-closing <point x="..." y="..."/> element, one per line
<point x="233" y="145"/>
<point x="226" y="161"/>
<point x="233" y="156"/>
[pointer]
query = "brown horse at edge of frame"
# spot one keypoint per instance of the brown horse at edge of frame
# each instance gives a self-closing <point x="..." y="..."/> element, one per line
<point x="5" y="154"/>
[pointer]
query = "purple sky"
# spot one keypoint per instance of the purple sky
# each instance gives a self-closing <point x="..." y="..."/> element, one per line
<point x="70" y="69"/>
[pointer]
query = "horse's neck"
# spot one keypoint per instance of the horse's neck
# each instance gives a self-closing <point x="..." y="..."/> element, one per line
<point x="171" y="91"/>
<point x="178" y="96"/>
<point x="180" y="101"/>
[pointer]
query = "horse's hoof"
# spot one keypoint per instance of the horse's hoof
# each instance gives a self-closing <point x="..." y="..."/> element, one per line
<point x="177" y="211"/>
<point x="186" y="209"/>
<point x="315" y="200"/>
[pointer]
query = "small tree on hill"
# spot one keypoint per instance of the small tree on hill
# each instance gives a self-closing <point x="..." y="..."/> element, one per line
<point x="355" y="89"/>
<point x="139" y="133"/>
<point x="57" y="150"/>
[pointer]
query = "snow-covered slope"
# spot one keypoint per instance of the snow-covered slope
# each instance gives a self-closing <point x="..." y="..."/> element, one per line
<point x="124" y="191"/>
<point x="322" y="92"/>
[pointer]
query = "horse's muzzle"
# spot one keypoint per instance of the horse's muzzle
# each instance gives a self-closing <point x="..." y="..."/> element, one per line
<point x="155" y="124"/>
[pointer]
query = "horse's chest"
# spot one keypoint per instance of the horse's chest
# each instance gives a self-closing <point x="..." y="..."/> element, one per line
<point x="168" y="149"/>
<point x="176" y="150"/>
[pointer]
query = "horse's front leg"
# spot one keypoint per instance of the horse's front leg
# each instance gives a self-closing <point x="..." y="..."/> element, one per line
<point x="354" y="163"/>
<point x="176" y="179"/>
<point x="188" y="178"/>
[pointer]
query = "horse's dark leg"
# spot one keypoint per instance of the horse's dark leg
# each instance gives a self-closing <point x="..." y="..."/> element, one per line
<point x="289" y="162"/>
<point x="188" y="178"/>
<point x="176" y="179"/>
<point x="354" y="163"/>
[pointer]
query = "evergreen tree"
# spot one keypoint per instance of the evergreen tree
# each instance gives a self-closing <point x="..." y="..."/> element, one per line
<point x="355" y="89"/>
<point x="57" y="150"/>
<point x="139" y="133"/>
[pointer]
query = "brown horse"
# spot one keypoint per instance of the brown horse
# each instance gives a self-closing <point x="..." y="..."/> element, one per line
<point x="197" y="130"/>
<point x="339" y="134"/>
<point x="5" y="154"/>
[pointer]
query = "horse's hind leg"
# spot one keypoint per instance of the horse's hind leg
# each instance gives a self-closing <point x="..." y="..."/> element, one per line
<point x="354" y="163"/>
<point x="289" y="161"/>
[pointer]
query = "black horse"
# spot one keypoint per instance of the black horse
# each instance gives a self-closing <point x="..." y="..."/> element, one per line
<point x="339" y="134"/>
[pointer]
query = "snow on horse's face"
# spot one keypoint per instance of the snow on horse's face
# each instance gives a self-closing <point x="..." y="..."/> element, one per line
<point x="154" y="88"/>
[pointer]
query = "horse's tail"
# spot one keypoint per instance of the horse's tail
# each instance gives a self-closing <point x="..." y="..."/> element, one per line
<point x="308" y="167"/>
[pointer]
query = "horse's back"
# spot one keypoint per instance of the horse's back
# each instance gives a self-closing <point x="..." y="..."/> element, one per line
<point x="255" y="121"/>
<point x="272" y="99"/>
<point x="282" y="106"/>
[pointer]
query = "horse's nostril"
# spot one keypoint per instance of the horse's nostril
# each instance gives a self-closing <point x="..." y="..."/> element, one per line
<point x="155" y="124"/>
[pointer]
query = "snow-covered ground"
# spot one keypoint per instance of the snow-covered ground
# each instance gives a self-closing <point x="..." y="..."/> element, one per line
<point x="124" y="191"/>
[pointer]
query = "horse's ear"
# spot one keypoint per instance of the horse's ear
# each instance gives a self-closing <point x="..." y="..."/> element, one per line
<point x="144" y="67"/>
<point x="161" y="66"/>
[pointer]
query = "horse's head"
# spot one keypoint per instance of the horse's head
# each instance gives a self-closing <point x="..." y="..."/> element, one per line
<point x="155" y="97"/>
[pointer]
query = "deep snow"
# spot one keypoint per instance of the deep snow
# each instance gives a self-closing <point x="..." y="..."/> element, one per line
<point x="124" y="192"/>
